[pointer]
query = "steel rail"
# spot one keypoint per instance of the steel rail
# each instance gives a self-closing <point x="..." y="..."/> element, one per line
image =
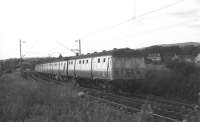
<point x="135" y="109"/>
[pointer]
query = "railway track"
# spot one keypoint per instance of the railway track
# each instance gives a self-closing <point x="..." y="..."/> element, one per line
<point x="136" y="104"/>
<point x="166" y="110"/>
<point x="37" y="77"/>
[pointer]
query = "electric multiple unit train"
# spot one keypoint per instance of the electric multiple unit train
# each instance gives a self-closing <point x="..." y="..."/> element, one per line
<point x="125" y="64"/>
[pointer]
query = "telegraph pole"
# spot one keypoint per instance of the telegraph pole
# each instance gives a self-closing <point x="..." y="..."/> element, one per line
<point x="20" y="49"/>
<point x="79" y="47"/>
<point x="79" y="43"/>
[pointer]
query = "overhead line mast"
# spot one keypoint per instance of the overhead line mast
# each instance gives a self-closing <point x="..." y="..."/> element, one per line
<point x="20" y="51"/>
<point x="76" y="51"/>
<point x="79" y="43"/>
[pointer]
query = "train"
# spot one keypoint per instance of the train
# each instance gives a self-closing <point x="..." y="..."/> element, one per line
<point x="98" y="67"/>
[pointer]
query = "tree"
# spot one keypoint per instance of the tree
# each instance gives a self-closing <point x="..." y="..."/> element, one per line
<point x="60" y="56"/>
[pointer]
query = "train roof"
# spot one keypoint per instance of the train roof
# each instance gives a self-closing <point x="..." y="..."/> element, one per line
<point x="123" y="52"/>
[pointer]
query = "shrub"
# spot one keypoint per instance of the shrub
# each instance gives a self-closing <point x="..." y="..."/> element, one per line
<point x="183" y="67"/>
<point x="30" y="101"/>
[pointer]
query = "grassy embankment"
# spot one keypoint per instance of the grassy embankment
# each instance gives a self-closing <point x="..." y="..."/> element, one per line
<point x="28" y="100"/>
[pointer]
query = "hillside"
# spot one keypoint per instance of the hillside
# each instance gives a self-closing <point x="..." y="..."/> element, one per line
<point x="181" y="44"/>
<point x="182" y="51"/>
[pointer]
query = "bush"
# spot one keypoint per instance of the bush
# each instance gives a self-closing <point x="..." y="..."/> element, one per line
<point x="182" y="67"/>
<point x="179" y="82"/>
<point x="30" y="101"/>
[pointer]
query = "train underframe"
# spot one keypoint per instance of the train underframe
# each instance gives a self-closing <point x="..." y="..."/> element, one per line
<point x="119" y="85"/>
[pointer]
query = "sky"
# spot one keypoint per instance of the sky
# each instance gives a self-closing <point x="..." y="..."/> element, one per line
<point x="50" y="27"/>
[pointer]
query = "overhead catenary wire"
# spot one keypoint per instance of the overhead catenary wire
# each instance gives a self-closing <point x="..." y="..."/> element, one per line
<point x="64" y="46"/>
<point x="52" y="53"/>
<point x="135" y="17"/>
<point x="29" y="50"/>
<point x="33" y="45"/>
<point x="142" y="33"/>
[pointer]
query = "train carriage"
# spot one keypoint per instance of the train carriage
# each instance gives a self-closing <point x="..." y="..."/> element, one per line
<point x="102" y="67"/>
<point x="83" y="67"/>
<point x="63" y="68"/>
<point x="116" y="64"/>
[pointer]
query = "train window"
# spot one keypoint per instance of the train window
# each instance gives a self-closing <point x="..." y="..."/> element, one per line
<point x="104" y="59"/>
<point x="83" y="61"/>
<point x="86" y="61"/>
<point x="98" y="60"/>
<point x="79" y="61"/>
<point x="72" y="62"/>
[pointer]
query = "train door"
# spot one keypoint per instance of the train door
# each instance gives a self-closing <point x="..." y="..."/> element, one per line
<point x="91" y="70"/>
<point x="66" y="68"/>
<point x="109" y="68"/>
<point x="75" y="68"/>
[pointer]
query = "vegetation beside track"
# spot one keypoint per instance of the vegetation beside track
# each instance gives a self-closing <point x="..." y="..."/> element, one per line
<point x="145" y="114"/>
<point x="180" y="82"/>
<point x="32" y="100"/>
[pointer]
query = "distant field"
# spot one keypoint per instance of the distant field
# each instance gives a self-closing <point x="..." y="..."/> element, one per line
<point x="39" y="101"/>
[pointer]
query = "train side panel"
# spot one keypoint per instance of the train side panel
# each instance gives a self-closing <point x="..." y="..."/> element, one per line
<point x="71" y="66"/>
<point x="55" y="68"/>
<point x="63" y="68"/>
<point x="102" y="67"/>
<point x="51" y="68"/>
<point x="128" y="68"/>
<point x="48" y="68"/>
<point x="83" y="67"/>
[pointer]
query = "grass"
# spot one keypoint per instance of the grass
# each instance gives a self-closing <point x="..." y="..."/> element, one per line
<point x="27" y="100"/>
<point x="33" y="101"/>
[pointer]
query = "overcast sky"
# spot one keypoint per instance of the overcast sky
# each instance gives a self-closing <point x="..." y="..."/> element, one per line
<point x="50" y="27"/>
